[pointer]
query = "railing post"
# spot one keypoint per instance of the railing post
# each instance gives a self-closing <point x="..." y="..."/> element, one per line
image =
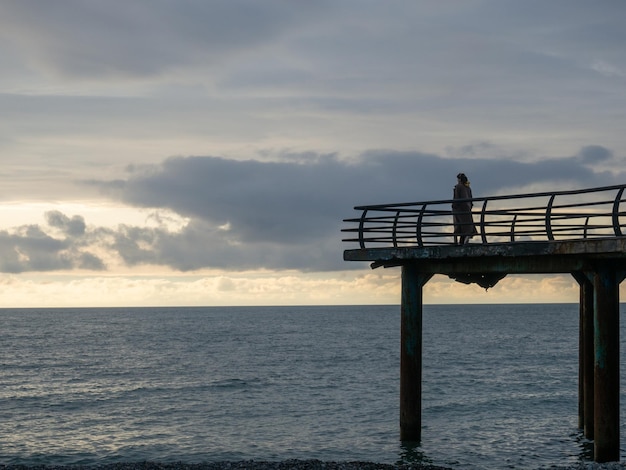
<point x="615" y="216"/>
<point x="394" y="232"/>
<point x="549" y="218"/>
<point x="418" y="227"/>
<point x="513" y="228"/>
<point x="483" y="235"/>
<point x="361" y="223"/>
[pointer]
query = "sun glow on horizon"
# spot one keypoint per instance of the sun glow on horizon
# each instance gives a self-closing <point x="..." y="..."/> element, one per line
<point x="144" y="288"/>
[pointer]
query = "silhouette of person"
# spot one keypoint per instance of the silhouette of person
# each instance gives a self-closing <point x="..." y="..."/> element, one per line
<point x="464" y="227"/>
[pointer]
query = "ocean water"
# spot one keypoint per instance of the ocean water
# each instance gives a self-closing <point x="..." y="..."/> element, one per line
<point x="93" y="386"/>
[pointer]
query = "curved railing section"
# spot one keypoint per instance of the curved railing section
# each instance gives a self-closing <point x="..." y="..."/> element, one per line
<point x="548" y="216"/>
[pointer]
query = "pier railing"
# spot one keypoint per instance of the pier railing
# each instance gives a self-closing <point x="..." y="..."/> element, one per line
<point x="547" y="216"/>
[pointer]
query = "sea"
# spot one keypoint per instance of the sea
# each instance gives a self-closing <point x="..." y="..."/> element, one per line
<point x="92" y="386"/>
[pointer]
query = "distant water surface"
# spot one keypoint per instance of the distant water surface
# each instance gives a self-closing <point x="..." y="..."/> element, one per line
<point x="93" y="386"/>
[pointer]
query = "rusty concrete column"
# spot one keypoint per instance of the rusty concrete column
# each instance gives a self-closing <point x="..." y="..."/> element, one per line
<point x="585" y="354"/>
<point x="411" y="353"/>
<point x="606" y="365"/>
<point x="588" y="338"/>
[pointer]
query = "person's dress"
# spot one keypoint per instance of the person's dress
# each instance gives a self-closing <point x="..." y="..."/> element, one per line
<point x="462" y="212"/>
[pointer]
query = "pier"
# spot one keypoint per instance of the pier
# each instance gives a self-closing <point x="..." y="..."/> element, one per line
<point x="579" y="232"/>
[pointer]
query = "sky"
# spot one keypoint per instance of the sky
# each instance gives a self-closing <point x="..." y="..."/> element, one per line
<point x="203" y="152"/>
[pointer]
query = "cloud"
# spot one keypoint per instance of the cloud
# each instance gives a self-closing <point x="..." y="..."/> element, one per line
<point x="87" y="84"/>
<point x="74" y="226"/>
<point x="280" y="214"/>
<point x="300" y="194"/>
<point x="592" y="154"/>
<point x="80" y="39"/>
<point x="32" y="248"/>
<point x="285" y="107"/>
<point x="287" y="214"/>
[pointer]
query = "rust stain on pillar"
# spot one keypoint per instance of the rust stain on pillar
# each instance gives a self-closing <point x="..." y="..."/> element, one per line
<point x="606" y="365"/>
<point x="411" y="354"/>
<point x="586" y="354"/>
<point x="587" y="358"/>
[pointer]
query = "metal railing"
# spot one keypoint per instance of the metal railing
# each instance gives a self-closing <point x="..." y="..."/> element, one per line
<point x="547" y="216"/>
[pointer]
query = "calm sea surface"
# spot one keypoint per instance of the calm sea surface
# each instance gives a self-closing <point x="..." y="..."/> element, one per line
<point x="92" y="386"/>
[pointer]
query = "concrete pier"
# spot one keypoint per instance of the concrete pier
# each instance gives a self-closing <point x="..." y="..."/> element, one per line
<point x="599" y="266"/>
<point x="580" y="232"/>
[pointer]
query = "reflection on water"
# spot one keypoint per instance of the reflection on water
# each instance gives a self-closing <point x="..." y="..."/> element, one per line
<point x="411" y="453"/>
<point x="584" y="445"/>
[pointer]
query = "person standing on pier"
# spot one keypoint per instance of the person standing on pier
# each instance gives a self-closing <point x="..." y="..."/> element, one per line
<point x="464" y="227"/>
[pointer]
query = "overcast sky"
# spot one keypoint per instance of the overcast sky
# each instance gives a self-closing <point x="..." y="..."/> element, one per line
<point x="194" y="152"/>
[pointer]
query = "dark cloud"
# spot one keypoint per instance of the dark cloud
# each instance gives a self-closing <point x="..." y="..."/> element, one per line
<point x="89" y="262"/>
<point x="593" y="154"/>
<point x="200" y="245"/>
<point x="284" y="214"/>
<point x="73" y="227"/>
<point x="297" y="197"/>
<point x="259" y="200"/>
<point x="31" y="248"/>
<point x="287" y="214"/>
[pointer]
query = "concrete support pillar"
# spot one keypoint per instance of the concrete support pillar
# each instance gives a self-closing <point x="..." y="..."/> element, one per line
<point x="606" y="364"/>
<point x="411" y="353"/>
<point x="587" y="303"/>
<point x="585" y="354"/>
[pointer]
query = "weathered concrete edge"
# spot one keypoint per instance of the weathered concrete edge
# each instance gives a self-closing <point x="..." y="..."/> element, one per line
<point x="615" y="247"/>
<point x="509" y="258"/>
